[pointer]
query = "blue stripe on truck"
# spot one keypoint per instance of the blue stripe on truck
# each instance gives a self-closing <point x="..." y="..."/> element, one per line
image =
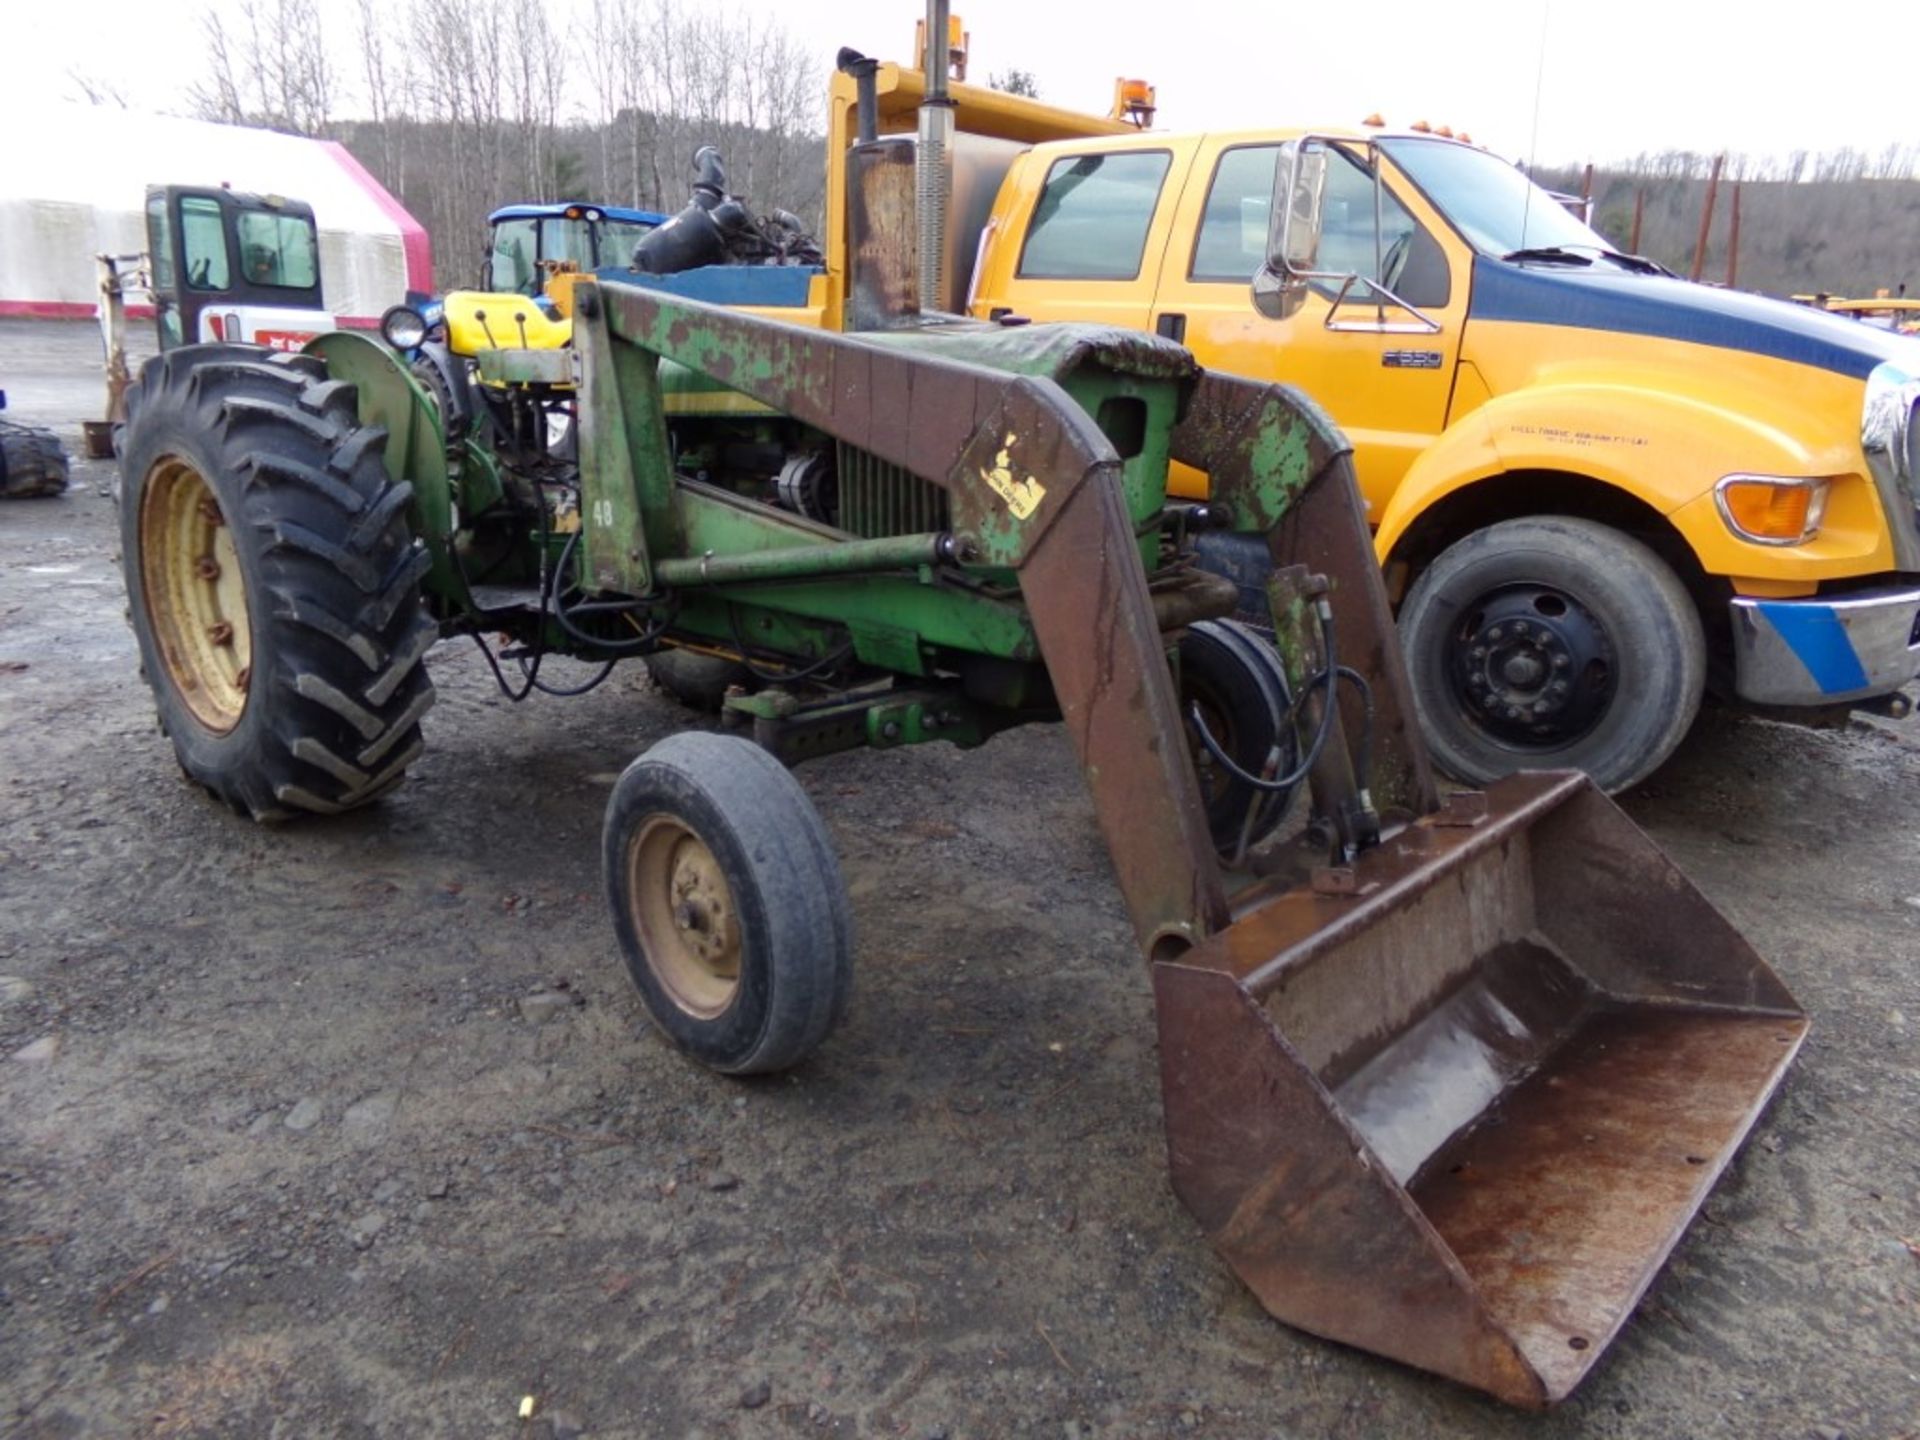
<point x="1816" y="636"/>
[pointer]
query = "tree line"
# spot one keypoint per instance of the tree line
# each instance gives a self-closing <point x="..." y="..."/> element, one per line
<point x="1843" y="223"/>
<point x="458" y="108"/>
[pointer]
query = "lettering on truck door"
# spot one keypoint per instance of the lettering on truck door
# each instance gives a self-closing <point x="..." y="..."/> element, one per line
<point x="1388" y="391"/>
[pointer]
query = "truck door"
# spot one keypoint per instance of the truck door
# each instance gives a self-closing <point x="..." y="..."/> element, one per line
<point x="1090" y="244"/>
<point x="187" y="241"/>
<point x="1388" y="391"/>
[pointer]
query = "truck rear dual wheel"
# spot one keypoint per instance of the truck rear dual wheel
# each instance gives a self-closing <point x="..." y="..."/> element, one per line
<point x="728" y="903"/>
<point x="273" y="583"/>
<point x="1553" y="643"/>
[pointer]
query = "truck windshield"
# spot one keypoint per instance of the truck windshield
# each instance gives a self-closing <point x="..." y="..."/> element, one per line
<point x="1496" y="208"/>
<point x="278" y="250"/>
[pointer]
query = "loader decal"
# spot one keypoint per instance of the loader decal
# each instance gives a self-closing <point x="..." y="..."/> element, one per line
<point x="1023" y="497"/>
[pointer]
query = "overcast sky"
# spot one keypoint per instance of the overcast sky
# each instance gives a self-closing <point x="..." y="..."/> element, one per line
<point x="1612" y="78"/>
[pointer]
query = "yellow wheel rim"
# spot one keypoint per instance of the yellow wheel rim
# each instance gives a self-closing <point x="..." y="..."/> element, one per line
<point x="196" y="596"/>
<point x="684" y="915"/>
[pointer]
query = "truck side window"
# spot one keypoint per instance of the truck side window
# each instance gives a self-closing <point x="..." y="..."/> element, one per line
<point x="1232" y="243"/>
<point x="203" y="244"/>
<point x="1092" y="218"/>
<point x="1414" y="266"/>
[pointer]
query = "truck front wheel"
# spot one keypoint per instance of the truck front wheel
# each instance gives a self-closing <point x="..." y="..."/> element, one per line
<point x="1553" y="643"/>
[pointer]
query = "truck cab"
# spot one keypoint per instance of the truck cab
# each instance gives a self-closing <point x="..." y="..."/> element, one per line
<point x="1598" y="491"/>
<point x="233" y="266"/>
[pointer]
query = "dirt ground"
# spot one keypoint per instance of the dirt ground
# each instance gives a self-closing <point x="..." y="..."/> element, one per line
<point x="357" y="1129"/>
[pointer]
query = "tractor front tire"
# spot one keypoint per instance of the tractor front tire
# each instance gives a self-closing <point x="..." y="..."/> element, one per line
<point x="273" y="583"/>
<point x="728" y="903"/>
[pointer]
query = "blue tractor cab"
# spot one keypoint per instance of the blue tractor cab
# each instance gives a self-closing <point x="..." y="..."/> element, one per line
<point x="593" y="237"/>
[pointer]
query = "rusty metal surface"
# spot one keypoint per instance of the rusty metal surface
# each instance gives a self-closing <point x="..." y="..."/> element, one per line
<point x="1088" y="600"/>
<point x="882" y="237"/>
<point x="1459" y="1109"/>
<point x="1563" y="1211"/>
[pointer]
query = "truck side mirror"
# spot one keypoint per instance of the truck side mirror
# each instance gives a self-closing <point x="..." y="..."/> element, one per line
<point x="1293" y="242"/>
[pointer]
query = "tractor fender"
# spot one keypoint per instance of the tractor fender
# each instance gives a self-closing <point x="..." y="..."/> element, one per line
<point x="415" y="452"/>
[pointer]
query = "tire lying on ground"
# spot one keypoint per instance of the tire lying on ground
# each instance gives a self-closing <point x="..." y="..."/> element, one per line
<point x="1553" y="643"/>
<point x="273" y="583"/>
<point x="33" y="463"/>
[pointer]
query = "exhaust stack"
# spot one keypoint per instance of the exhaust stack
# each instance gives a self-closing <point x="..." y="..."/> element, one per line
<point x="933" y="165"/>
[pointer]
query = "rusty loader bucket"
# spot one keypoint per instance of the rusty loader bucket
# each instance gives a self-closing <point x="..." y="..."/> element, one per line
<point x="1460" y="1112"/>
<point x="1455" y="1097"/>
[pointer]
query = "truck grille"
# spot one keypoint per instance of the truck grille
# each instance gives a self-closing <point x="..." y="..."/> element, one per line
<point x="878" y="498"/>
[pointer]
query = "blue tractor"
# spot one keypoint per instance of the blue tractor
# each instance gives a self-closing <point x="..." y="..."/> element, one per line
<point x="529" y="241"/>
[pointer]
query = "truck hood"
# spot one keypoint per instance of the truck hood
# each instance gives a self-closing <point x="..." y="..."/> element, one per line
<point x="1664" y="308"/>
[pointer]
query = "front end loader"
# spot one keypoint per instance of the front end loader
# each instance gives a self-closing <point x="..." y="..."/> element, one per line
<point x="1443" y="1079"/>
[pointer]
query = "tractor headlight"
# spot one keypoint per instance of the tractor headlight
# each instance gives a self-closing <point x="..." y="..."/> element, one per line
<point x="403" y="327"/>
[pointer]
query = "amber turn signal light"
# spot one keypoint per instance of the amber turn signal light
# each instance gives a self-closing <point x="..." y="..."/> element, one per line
<point x="1771" y="510"/>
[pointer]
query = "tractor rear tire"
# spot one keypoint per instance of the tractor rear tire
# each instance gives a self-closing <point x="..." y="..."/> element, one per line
<point x="273" y="584"/>
<point x="728" y="903"/>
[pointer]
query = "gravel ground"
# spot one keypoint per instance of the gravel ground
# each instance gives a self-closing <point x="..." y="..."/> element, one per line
<point x="357" y="1129"/>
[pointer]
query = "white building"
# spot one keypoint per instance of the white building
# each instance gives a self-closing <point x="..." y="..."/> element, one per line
<point x="73" y="183"/>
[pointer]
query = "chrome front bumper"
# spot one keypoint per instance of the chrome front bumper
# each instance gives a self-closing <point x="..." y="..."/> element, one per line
<point x="1826" y="651"/>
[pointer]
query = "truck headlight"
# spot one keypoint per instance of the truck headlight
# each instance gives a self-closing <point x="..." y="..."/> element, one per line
<point x="403" y="327"/>
<point x="1772" y="509"/>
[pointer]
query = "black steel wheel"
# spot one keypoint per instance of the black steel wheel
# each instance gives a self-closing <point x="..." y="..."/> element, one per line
<point x="273" y="583"/>
<point x="1235" y="679"/>
<point x="728" y="903"/>
<point x="1553" y="643"/>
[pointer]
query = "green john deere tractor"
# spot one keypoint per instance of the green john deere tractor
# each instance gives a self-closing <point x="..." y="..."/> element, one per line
<point x="1442" y="1081"/>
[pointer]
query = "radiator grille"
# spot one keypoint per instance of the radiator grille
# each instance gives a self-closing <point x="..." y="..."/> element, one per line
<point x="879" y="499"/>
